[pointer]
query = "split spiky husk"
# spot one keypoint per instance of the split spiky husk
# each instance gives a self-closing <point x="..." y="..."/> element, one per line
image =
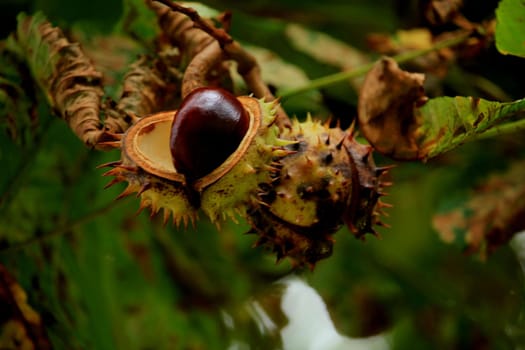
<point x="147" y="166"/>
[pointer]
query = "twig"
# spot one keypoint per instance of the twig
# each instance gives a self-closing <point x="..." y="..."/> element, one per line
<point x="197" y="71"/>
<point x="507" y="128"/>
<point x="347" y="75"/>
<point x="247" y="65"/>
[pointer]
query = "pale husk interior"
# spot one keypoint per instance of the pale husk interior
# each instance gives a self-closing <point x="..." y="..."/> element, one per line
<point x="154" y="146"/>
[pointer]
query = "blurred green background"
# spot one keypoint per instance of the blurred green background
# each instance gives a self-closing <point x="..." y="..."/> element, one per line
<point x="103" y="278"/>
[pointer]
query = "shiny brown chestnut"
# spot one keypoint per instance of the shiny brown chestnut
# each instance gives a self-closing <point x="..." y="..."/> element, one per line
<point x="208" y="127"/>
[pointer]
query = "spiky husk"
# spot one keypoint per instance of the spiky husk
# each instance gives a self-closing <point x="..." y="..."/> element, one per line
<point x="147" y="167"/>
<point x="315" y="181"/>
<point x="149" y="175"/>
<point x="286" y="240"/>
<point x="330" y="179"/>
<point x="155" y="192"/>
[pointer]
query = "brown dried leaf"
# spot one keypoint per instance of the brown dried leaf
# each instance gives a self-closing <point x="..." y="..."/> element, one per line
<point x="494" y="213"/>
<point x="20" y="326"/>
<point x="180" y="31"/>
<point x="70" y="81"/>
<point x="386" y="104"/>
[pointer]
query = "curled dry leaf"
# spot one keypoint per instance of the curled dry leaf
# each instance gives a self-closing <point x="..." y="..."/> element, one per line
<point x="72" y="84"/>
<point x="180" y="31"/>
<point x="20" y="326"/>
<point x="386" y="109"/>
<point x="491" y="217"/>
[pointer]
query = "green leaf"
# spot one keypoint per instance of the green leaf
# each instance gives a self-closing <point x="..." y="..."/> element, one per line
<point x="510" y="27"/>
<point x="451" y="121"/>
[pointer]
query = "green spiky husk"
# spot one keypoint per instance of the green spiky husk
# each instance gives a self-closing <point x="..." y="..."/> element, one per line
<point x="220" y="199"/>
<point x="156" y="193"/>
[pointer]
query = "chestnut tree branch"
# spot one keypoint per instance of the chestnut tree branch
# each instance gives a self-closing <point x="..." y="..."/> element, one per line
<point x="247" y="67"/>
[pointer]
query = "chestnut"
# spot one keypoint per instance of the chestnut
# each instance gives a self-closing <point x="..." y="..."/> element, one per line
<point x="208" y="127"/>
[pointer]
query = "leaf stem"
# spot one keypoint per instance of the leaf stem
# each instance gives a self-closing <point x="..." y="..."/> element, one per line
<point x="507" y="128"/>
<point x="507" y="109"/>
<point x="347" y="75"/>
